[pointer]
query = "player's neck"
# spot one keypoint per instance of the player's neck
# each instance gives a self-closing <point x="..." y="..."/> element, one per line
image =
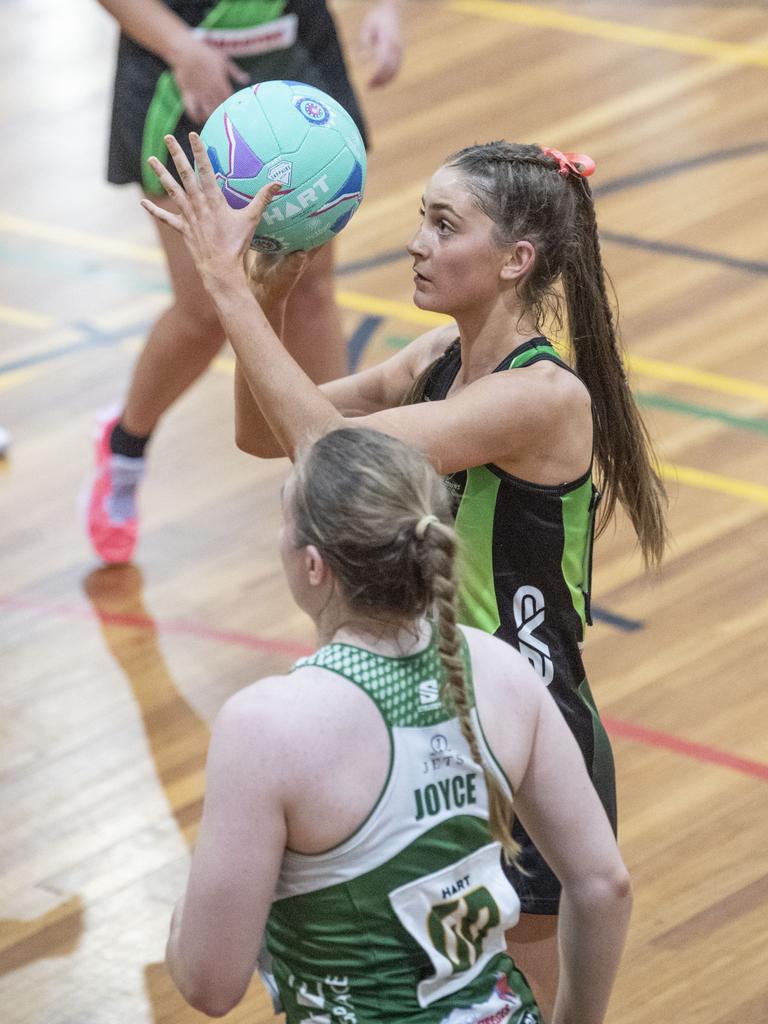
<point x="391" y="636"/>
<point x="488" y="335"/>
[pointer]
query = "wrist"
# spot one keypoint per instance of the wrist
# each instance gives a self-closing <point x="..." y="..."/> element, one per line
<point x="177" y="45"/>
<point x="227" y="289"/>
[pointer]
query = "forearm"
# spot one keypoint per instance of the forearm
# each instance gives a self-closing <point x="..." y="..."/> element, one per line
<point x="592" y="929"/>
<point x="281" y="406"/>
<point x="152" y="25"/>
<point x="252" y="432"/>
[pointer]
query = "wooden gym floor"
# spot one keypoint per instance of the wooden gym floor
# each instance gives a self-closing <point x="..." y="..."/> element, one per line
<point x="111" y="676"/>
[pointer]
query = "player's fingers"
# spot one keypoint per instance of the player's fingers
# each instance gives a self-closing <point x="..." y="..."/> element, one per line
<point x="236" y="73"/>
<point x="388" y="59"/>
<point x="169" y="183"/>
<point x="205" y="174"/>
<point x="172" y="219"/>
<point x="185" y="169"/>
<point x="261" y="201"/>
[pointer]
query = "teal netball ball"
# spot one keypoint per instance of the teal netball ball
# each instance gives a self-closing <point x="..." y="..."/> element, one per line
<point x="299" y="137"/>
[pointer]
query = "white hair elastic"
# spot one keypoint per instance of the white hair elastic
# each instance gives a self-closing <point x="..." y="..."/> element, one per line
<point x="423" y="523"/>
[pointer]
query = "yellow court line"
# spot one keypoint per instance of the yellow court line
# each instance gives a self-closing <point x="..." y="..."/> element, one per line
<point x="714" y="482"/>
<point x="24" y="318"/>
<point x="53" y="233"/>
<point x="635" y="35"/>
<point x="655" y="368"/>
<point x="698" y="378"/>
<point x="13" y="377"/>
<point x="372" y="306"/>
<point x="696" y="478"/>
<point x="680" y="474"/>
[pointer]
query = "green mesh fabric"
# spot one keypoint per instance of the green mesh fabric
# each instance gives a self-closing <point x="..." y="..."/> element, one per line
<point x="405" y="689"/>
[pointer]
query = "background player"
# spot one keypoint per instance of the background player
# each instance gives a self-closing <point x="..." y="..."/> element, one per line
<point x="177" y="60"/>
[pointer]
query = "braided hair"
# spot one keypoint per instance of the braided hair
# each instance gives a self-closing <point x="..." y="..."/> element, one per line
<point x="380" y="515"/>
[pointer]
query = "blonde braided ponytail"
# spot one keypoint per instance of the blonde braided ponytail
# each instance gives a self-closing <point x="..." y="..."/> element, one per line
<point x="440" y="554"/>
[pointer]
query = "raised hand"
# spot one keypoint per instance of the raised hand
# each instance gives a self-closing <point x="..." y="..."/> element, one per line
<point x="217" y="236"/>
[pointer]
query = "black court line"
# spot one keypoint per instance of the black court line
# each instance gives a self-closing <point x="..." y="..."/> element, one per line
<point x="678" y="167"/>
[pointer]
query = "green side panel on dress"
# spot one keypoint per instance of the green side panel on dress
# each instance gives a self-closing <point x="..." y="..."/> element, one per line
<point x="166" y="107"/>
<point x="474" y="524"/>
<point x="577" y="543"/>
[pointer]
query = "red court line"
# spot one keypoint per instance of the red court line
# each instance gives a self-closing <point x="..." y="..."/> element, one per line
<point x="697" y="751"/>
<point x="69" y="609"/>
<point x="616" y="727"/>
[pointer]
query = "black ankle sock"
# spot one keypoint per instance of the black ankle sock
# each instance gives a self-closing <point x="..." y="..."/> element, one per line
<point x="123" y="443"/>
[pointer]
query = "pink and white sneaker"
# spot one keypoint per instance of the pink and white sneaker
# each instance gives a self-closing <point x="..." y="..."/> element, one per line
<point x="110" y="501"/>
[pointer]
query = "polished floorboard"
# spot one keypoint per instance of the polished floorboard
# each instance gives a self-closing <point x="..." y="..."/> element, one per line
<point x="111" y="677"/>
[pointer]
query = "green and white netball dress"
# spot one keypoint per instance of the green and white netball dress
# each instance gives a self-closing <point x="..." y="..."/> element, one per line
<point x="525" y="577"/>
<point x="405" y="920"/>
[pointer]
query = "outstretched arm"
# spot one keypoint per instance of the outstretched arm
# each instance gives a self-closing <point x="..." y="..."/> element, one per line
<point x="454" y="434"/>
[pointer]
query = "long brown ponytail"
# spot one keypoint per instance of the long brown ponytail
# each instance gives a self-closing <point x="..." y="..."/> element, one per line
<point x="524" y="191"/>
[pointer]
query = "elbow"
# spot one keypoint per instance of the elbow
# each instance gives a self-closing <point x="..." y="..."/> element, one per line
<point x="212" y="1007"/>
<point x="614" y="887"/>
<point x="245" y="442"/>
<point x="208" y="997"/>
<point x="609" y="888"/>
<point x="207" y="987"/>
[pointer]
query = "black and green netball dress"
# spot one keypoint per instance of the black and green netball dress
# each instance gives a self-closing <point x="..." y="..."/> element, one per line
<point x="405" y="920"/>
<point x="270" y="39"/>
<point x="526" y="577"/>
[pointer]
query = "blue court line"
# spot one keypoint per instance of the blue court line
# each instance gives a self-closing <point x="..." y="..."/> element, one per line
<point x="679" y="166"/>
<point x="620" y="185"/>
<point x="380" y="260"/>
<point x="686" y="252"/>
<point x="92" y="336"/>
<point x="365" y="330"/>
<point x="358" y="342"/>
<point x="619" y="621"/>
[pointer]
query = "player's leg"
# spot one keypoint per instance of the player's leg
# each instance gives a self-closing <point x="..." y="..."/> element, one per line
<point x="180" y="346"/>
<point x="312" y="330"/>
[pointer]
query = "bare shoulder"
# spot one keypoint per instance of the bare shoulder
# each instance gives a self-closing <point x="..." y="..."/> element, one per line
<point x="307" y="709"/>
<point x="259" y="707"/>
<point x="550" y="388"/>
<point x="498" y="661"/>
<point x="504" y="682"/>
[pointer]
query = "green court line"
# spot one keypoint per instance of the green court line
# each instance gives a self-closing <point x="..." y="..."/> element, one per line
<point x="756" y="423"/>
<point x="635" y="35"/>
